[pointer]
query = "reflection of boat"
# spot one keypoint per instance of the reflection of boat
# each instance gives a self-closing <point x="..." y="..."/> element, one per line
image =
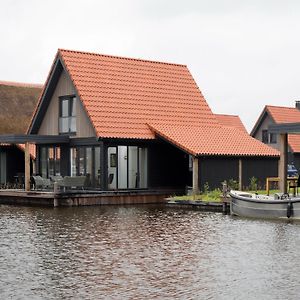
<point x="279" y="206"/>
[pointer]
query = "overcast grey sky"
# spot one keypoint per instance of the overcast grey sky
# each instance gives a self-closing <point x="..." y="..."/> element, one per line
<point x="242" y="54"/>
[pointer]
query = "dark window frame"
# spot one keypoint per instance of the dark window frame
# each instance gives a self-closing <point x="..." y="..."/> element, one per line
<point x="70" y="116"/>
<point x="265" y="136"/>
<point x="273" y="138"/>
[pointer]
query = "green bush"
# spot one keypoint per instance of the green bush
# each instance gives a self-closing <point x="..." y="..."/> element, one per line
<point x="233" y="184"/>
<point x="253" y="184"/>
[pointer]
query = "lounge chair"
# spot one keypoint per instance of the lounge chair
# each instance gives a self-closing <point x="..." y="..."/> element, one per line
<point x="41" y="183"/>
<point x="72" y="182"/>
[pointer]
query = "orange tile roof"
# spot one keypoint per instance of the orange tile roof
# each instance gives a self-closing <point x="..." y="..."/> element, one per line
<point x="231" y="121"/>
<point x="283" y="114"/>
<point x="286" y="115"/>
<point x="121" y="95"/>
<point x="212" y="140"/>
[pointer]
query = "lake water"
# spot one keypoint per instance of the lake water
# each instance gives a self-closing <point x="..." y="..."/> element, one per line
<point x="145" y="252"/>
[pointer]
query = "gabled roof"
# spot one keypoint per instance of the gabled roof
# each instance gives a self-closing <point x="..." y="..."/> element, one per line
<point x="231" y="121"/>
<point x="282" y="115"/>
<point x="121" y="96"/>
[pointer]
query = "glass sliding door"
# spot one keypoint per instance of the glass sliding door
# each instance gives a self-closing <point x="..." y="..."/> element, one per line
<point x="129" y="164"/>
<point x="73" y="161"/>
<point x="122" y="167"/>
<point x="85" y="161"/>
<point x="49" y="161"/>
<point x="97" y="170"/>
<point x="43" y="162"/>
<point x="143" y="167"/>
<point x="133" y="167"/>
<point x="112" y="167"/>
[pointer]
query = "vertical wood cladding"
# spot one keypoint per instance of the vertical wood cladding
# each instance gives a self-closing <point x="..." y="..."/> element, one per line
<point x="49" y="124"/>
<point x="260" y="168"/>
<point x="214" y="170"/>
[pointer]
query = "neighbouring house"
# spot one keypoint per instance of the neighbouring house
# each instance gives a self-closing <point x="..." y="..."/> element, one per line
<point x="272" y="115"/>
<point x="135" y="124"/>
<point x="17" y="103"/>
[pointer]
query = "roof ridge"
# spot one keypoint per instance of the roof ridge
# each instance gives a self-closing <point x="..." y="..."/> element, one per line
<point x="230" y="115"/>
<point x="21" y="84"/>
<point x="279" y="106"/>
<point x="122" y="57"/>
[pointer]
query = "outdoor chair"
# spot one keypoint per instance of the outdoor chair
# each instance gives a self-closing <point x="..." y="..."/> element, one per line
<point x="295" y="185"/>
<point x="41" y="183"/>
<point x="72" y="182"/>
<point x="56" y="178"/>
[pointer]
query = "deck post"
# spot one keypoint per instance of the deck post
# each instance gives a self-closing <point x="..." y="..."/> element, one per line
<point x="195" y="175"/>
<point x="27" y="167"/>
<point x="240" y="174"/>
<point x="282" y="170"/>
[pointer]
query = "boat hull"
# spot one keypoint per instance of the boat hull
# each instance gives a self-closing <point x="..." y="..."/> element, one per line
<point x="244" y="206"/>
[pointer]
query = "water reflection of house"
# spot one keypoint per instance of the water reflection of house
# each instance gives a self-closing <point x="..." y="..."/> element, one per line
<point x="17" y="102"/>
<point x="131" y="123"/>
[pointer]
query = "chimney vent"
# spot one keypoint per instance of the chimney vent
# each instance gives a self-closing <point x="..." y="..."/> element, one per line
<point x="297" y="104"/>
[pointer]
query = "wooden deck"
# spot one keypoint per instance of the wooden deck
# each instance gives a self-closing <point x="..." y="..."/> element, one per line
<point x="83" y="197"/>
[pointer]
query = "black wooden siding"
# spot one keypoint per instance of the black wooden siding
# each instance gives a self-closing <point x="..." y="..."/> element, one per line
<point x="214" y="170"/>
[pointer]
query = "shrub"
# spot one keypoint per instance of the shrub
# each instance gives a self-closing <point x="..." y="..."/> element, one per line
<point x="253" y="184"/>
<point x="233" y="184"/>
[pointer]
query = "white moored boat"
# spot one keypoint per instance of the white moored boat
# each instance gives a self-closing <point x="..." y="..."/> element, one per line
<point x="279" y="206"/>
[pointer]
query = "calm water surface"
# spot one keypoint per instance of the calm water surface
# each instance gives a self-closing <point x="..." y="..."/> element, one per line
<point x="145" y="252"/>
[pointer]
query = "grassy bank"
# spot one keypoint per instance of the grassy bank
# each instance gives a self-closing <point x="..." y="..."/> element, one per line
<point x="214" y="196"/>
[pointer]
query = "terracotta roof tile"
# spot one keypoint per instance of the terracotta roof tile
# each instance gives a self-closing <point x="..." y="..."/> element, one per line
<point x="284" y="114"/>
<point x="294" y="142"/>
<point x="213" y="140"/>
<point x="121" y="95"/>
<point x="231" y="121"/>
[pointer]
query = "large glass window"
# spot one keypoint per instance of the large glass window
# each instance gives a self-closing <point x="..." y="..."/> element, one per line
<point x="122" y="167"/>
<point x="127" y="167"/>
<point x="97" y="170"/>
<point x="86" y="161"/>
<point x="133" y="174"/>
<point x="143" y="167"/>
<point x="49" y="161"/>
<point x="67" y="114"/>
<point x="112" y="167"/>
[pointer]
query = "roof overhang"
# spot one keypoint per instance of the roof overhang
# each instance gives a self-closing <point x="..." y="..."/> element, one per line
<point x="34" y="138"/>
<point x="289" y="128"/>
